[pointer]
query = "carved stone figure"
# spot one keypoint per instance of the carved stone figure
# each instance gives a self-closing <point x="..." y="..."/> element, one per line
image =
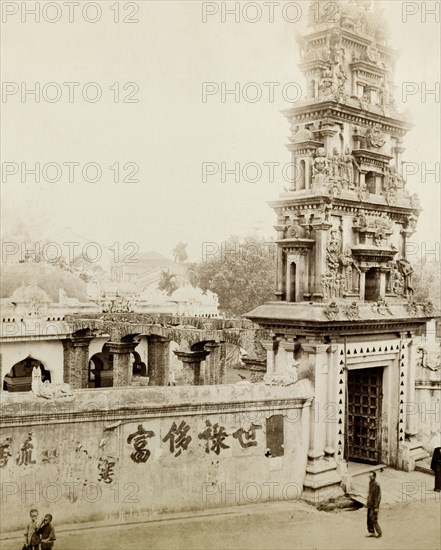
<point x="375" y="137"/>
<point x="382" y="226"/>
<point x="320" y="167"/>
<point x="348" y="263"/>
<point x="428" y="309"/>
<point x="384" y="93"/>
<point x="334" y="188"/>
<point x="395" y="281"/>
<point x="381" y="307"/>
<point x="47" y="389"/>
<point x="331" y="311"/>
<point x="407" y="270"/>
<point x="347" y="164"/>
<point x="390" y="184"/>
<point x="334" y="45"/>
<point x="325" y="210"/>
<point x="372" y="53"/>
<point x="334" y="162"/>
<point x="352" y="311"/>
<point x="360" y="220"/>
<point x="327" y="85"/>
<point x="333" y="250"/>
<point x="411" y="308"/>
<point x="363" y="193"/>
<point x="341" y="83"/>
<point x="364" y="101"/>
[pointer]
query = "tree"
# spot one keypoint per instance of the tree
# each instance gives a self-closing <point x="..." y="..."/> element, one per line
<point x="179" y="253"/>
<point x="241" y="273"/>
<point x="168" y="282"/>
<point x="426" y="282"/>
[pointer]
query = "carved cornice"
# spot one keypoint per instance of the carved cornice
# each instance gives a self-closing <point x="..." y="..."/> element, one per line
<point x="366" y="156"/>
<point x="373" y="254"/>
<point x="314" y="111"/>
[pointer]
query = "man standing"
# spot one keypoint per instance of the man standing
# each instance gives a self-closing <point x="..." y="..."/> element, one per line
<point x="373" y="504"/>
<point x="436" y="467"/>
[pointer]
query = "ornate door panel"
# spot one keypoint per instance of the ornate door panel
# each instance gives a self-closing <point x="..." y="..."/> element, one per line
<point x="363" y="429"/>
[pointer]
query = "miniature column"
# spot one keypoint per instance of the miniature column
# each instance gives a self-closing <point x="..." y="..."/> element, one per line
<point x="122" y="363"/>
<point x="76" y="361"/>
<point x="213" y="362"/>
<point x="363" y="271"/>
<point x="285" y="356"/>
<point x="268" y="345"/>
<point x="158" y="360"/>
<point x="383" y="273"/>
<point x="319" y="257"/>
<point x="280" y="275"/>
<point x="191" y="366"/>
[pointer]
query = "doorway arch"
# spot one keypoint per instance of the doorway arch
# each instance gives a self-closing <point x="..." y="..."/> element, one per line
<point x="19" y="378"/>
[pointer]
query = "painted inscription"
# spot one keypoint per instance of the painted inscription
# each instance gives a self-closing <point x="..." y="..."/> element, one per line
<point x="215" y="435"/>
<point x="140" y="440"/>
<point x="247" y="438"/>
<point x="24" y="457"/>
<point x="178" y="437"/>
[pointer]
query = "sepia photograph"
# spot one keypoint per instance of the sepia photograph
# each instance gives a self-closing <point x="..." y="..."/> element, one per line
<point x="220" y="309"/>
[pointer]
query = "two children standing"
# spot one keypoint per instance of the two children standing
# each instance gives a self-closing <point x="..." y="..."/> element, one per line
<point x="39" y="537"/>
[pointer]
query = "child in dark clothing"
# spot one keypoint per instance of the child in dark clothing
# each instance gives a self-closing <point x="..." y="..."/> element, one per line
<point x="47" y="533"/>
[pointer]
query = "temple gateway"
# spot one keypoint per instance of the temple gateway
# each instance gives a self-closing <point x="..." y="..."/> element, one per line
<point x="344" y="314"/>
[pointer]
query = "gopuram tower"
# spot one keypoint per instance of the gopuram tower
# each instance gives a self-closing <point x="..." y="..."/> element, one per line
<point x="344" y="314"/>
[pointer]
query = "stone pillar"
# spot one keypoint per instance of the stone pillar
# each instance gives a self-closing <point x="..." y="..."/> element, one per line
<point x="213" y="362"/>
<point x="363" y="282"/>
<point x="76" y="361"/>
<point x="331" y="425"/>
<point x="158" y="349"/>
<point x="319" y="259"/>
<point x="191" y="366"/>
<point x="327" y="133"/>
<point x="354" y="88"/>
<point x="285" y="356"/>
<point x="308" y="175"/>
<point x="257" y="368"/>
<point x="122" y="362"/>
<point x="321" y="477"/>
<point x="268" y="345"/>
<point x="383" y="273"/>
<point x="223" y="363"/>
<point x="412" y="408"/>
<point x="294" y="173"/>
<point x="399" y="150"/>
<point x="378" y="184"/>
<point x="280" y="294"/>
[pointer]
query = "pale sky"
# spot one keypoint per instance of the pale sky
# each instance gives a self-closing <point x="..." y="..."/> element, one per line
<point x="171" y="132"/>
